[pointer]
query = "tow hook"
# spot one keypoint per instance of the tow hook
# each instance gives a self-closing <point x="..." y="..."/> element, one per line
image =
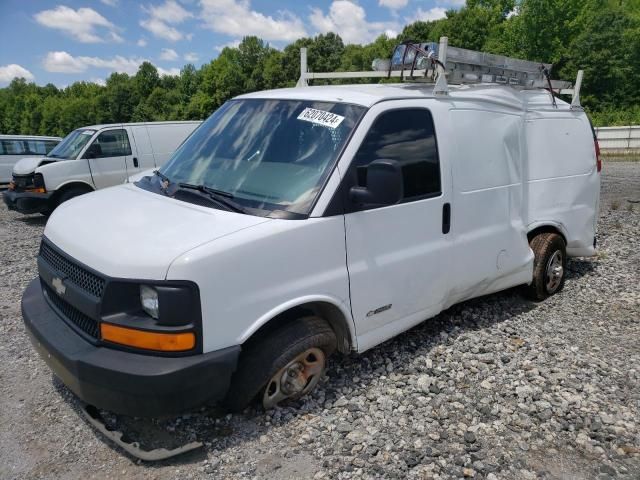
<point x="95" y="419"/>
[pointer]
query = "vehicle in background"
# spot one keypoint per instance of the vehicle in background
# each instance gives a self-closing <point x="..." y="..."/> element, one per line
<point x="91" y="158"/>
<point x="16" y="147"/>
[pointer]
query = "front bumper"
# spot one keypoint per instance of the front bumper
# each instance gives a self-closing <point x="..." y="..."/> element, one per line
<point x="28" y="202"/>
<point x="119" y="381"/>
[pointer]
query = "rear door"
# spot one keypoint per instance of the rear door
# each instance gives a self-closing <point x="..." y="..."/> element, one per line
<point x="142" y="158"/>
<point x="108" y="155"/>
<point x="397" y="255"/>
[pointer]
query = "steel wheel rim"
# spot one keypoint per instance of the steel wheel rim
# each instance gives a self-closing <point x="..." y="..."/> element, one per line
<point x="554" y="271"/>
<point x="296" y="379"/>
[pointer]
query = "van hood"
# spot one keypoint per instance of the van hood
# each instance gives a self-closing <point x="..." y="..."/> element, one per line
<point x="128" y="232"/>
<point x="28" y="165"/>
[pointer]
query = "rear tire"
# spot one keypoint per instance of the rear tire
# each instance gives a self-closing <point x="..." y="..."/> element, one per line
<point x="286" y="365"/>
<point x="549" y="266"/>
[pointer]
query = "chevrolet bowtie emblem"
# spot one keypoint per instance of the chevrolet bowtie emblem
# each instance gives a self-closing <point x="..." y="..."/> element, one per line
<point x="58" y="286"/>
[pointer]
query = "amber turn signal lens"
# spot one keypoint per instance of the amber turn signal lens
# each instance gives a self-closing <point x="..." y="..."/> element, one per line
<point x="36" y="190"/>
<point x="162" y="342"/>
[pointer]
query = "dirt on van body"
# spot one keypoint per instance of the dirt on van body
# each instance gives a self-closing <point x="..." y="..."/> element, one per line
<point x="496" y="388"/>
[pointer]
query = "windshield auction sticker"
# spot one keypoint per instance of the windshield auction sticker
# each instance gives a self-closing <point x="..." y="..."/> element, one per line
<point x="320" y="117"/>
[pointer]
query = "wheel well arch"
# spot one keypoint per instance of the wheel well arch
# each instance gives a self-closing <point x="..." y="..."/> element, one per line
<point x="327" y="311"/>
<point x="546" y="228"/>
<point x="68" y="186"/>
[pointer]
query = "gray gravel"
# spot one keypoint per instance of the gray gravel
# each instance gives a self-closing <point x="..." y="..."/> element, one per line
<point x="495" y="388"/>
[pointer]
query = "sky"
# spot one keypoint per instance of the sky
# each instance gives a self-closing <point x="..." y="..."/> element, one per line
<point x="63" y="41"/>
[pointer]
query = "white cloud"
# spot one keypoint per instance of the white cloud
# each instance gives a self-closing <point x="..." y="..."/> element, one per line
<point x="435" y="13"/>
<point x="82" y="24"/>
<point x="348" y="20"/>
<point x="11" y="71"/>
<point x="393" y="4"/>
<point x="170" y="71"/>
<point x="168" y="54"/>
<point x="235" y="17"/>
<point x="161" y="17"/>
<point x="100" y="81"/>
<point x="191" y="57"/>
<point x="141" y="42"/>
<point x="231" y="44"/>
<point x="110" y="3"/>
<point x="63" y="62"/>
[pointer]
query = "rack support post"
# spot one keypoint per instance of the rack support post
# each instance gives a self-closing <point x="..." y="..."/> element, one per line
<point x="575" y="101"/>
<point x="302" y="81"/>
<point x="441" y="87"/>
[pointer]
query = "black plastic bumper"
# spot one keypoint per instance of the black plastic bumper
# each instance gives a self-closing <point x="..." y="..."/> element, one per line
<point x="28" y="202"/>
<point x="124" y="382"/>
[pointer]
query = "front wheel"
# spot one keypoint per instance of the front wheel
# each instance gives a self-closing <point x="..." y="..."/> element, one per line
<point x="549" y="265"/>
<point x="286" y="365"/>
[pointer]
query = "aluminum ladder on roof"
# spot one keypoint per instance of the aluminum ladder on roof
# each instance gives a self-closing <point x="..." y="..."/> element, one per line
<point x="443" y="65"/>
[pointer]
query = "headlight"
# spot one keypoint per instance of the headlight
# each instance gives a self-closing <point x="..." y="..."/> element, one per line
<point x="149" y="300"/>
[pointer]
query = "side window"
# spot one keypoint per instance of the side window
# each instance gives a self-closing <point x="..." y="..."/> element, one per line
<point x="35" y="147"/>
<point x="407" y="136"/>
<point x="13" y="147"/>
<point x="49" y="145"/>
<point x="112" y="143"/>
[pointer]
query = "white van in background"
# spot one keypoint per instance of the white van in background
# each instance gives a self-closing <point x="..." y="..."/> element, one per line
<point x="90" y="158"/>
<point x="17" y="147"/>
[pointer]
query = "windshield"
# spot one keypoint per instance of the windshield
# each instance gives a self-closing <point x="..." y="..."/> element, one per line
<point x="72" y="144"/>
<point x="268" y="154"/>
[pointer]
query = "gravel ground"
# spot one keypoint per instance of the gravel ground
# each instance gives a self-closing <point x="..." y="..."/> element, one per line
<point x="495" y="388"/>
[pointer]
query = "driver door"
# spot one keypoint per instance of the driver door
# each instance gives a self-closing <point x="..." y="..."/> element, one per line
<point x="107" y="157"/>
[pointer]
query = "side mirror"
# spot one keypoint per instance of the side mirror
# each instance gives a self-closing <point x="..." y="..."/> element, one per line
<point x="384" y="185"/>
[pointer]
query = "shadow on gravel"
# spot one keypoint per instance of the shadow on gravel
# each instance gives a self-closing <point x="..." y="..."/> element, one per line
<point x="219" y="431"/>
<point x="39" y="220"/>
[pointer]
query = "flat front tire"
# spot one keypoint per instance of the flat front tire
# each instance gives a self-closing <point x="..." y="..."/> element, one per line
<point x="286" y="365"/>
<point x="549" y="265"/>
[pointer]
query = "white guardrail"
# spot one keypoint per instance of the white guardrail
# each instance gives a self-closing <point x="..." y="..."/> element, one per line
<point x="619" y="139"/>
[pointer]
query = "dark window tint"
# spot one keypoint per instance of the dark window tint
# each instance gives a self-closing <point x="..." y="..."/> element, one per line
<point x="408" y="137"/>
<point x="13" y="147"/>
<point x="49" y="145"/>
<point x="112" y="143"/>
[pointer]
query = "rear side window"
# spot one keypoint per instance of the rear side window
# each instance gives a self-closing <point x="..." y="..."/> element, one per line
<point x="12" y="147"/>
<point x="407" y="136"/>
<point x="113" y="143"/>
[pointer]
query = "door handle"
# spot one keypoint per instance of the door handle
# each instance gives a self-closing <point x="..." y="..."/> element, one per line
<point x="446" y="218"/>
<point x="135" y="162"/>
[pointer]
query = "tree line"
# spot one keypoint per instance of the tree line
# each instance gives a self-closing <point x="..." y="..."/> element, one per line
<point x="602" y="37"/>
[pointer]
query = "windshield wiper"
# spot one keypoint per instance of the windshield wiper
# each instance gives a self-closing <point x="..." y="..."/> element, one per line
<point x="162" y="176"/>
<point x="219" y="196"/>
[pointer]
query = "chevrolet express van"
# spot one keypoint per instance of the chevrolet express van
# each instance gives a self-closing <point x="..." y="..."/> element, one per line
<point x="91" y="158"/>
<point x="295" y="223"/>
<point x="17" y="147"/>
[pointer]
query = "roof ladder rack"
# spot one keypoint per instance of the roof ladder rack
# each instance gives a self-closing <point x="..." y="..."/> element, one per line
<point x="444" y="65"/>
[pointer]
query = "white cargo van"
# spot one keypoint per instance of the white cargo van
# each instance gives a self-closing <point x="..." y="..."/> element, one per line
<point x="297" y="222"/>
<point x="17" y="147"/>
<point x="90" y="158"/>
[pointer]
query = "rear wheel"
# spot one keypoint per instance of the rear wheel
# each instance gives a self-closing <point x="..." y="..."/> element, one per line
<point x="549" y="265"/>
<point x="286" y="365"/>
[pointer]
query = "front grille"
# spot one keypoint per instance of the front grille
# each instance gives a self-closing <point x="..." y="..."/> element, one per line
<point x="83" y="278"/>
<point x="85" y="323"/>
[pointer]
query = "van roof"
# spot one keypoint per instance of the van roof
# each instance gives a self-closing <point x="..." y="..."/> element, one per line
<point x="370" y="94"/>
<point x="28" y="137"/>
<point x="133" y="124"/>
